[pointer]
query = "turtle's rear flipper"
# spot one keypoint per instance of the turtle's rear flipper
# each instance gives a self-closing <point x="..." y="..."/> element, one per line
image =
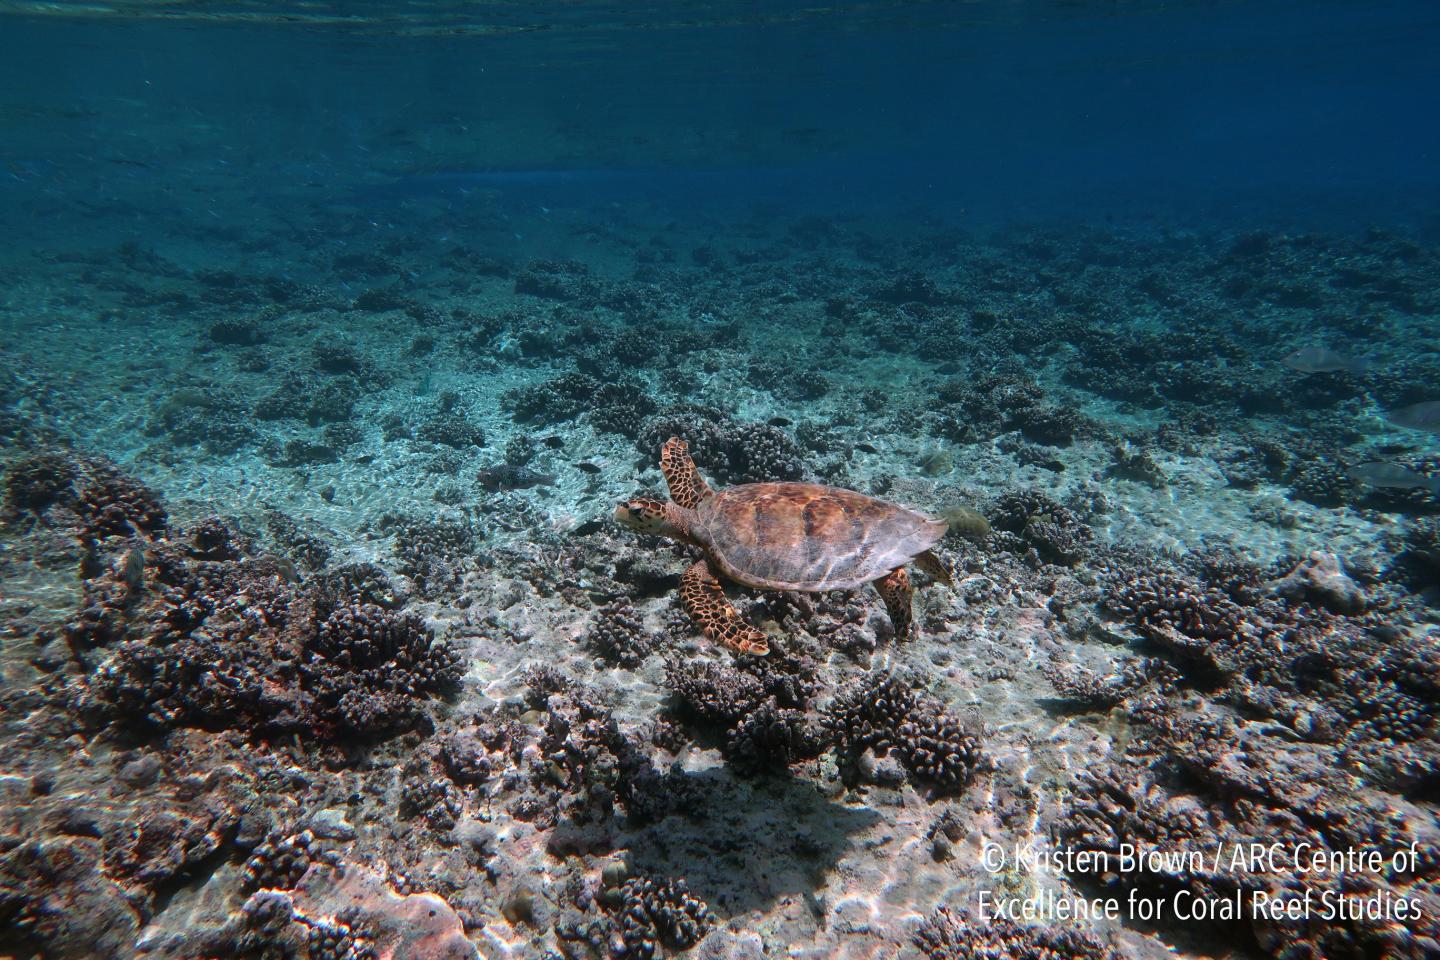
<point x="705" y="601"/>
<point x="897" y="593"/>
<point x="687" y="488"/>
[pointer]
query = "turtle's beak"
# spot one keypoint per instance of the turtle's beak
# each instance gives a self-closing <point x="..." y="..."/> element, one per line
<point x="645" y="516"/>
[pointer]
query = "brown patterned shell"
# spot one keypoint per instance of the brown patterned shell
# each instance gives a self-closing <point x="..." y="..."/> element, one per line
<point x="803" y="536"/>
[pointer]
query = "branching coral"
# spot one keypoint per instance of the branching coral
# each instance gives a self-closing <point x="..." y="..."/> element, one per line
<point x="120" y="507"/>
<point x="431" y="551"/>
<point x="1085" y="688"/>
<point x="282" y="859"/>
<point x="39" y="480"/>
<point x="655" y="912"/>
<point x="771" y="737"/>
<point x="430" y="796"/>
<point x="758" y="712"/>
<point x="1186" y="617"/>
<point x="368" y="667"/>
<point x="714" y="693"/>
<point x="1052" y="530"/>
<point x="618" y="635"/>
<point x="237" y="644"/>
<point x="583" y="750"/>
<point x="1272" y="652"/>
<point x="882" y="712"/>
<point x="729" y="451"/>
<point x="947" y="935"/>
<point x="617" y="404"/>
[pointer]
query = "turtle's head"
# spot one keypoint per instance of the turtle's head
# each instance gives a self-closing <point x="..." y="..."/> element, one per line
<point x="649" y="515"/>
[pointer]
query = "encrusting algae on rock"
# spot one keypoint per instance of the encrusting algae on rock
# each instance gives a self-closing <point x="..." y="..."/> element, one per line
<point x="967" y="522"/>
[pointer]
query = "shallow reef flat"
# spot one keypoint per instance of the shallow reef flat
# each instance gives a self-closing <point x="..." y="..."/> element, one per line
<point x="320" y="641"/>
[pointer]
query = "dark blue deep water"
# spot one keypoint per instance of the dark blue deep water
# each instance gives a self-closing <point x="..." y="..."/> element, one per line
<point x="920" y="480"/>
<point x="1230" y="112"/>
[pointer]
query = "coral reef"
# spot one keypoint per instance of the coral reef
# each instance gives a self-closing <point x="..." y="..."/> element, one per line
<point x="759" y="713"/>
<point x="217" y="421"/>
<point x="1131" y="805"/>
<point x="235" y="643"/>
<point x="729" y="451"/>
<point x="583" y="750"/>
<point x="1323" y="671"/>
<point x="451" y="430"/>
<point x="619" y="405"/>
<point x="340" y="912"/>
<point x="772" y="737"/>
<point x="947" y="935"/>
<point x="380" y="677"/>
<point x="100" y="498"/>
<point x="431" y="551"/>
<point x="39" y="480"/>
<point x="237" y="331"/>
<point x="281" y="861"/>
<point x="881" y="712"/>
<point x="53" y="893"/>
<point x="618" y="635"/>
<point x="1421" y="557"/>
<point x="714" y="693"/>
<point x="1055" y="533"/>
<point x="368" y="668"/>
<point x="653" y="913"/>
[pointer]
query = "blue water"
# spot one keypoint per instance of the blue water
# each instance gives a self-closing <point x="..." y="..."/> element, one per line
<point x="1309" y="112"/>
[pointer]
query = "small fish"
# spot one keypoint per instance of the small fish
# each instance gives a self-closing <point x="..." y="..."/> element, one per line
<point x="133" y="570"/>
<point x="865" y="448"/>
<point x="936" y="463"/>
<point x="778" y="422"/>
<point x="1418" y="416"/>
<point x="1379" y="473"/>
<point x="553" y="442"/>
<point x="587" y="467"/>
<point x="507" y="476"/>
<point x="1316" y="359"/>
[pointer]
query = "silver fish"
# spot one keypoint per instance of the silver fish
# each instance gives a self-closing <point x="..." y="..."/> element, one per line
<point x="1379" y="473"/>
<point x="1418" y="416"/>
<point x="506" y="476"/>
<point x="1316" y="359"/>
<point x="132" y="569"/>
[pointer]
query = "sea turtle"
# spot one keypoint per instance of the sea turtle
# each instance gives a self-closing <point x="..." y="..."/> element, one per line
<point x="782" y="536"/>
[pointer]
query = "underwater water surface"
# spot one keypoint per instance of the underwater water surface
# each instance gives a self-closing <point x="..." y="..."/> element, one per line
<point x="872" y="479"/>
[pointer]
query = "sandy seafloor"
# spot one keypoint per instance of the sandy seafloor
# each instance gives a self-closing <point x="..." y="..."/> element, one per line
<point x="334" y="387"/>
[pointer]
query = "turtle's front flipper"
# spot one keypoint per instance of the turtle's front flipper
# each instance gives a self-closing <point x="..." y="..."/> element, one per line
<point x="686" y="487"/>
<point x="897" y="593"/>
<point x="705" y="601"/>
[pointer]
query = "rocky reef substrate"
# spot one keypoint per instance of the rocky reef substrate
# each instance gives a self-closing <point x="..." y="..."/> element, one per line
<point x="318" y="641"/>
